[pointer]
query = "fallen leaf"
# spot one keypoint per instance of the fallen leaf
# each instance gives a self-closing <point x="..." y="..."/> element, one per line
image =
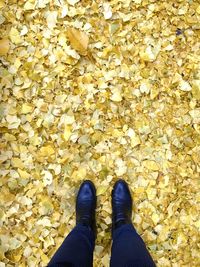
<point x="29" y="5"/>
<point x="51" y="17"/>
<point x="47" y="151"/>
<point x="78" y="40"/>
<point x="17" y="163"/>
<point x="107" y="11"/>
<point x="135" y="140"/>
<point x="47" y="177"/>
<point x="196" y="89"/>
<point x="67" y="132"/>
<point x="44" y="258"/>
<point x="73" y="2"/>
<point x="184" y="86"/>
<point x="26" y="108"/>
<point x="101" y="190"/>
<point x="79" y="174"/>
<point x="116" y="95"/>
<point x="15" y="36"/>
<point x="23" y="174"/>
<point x="4" y="46"/>
<point x="151" y="165"/>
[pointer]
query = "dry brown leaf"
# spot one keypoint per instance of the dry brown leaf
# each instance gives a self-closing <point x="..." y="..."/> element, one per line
<point x="4" y="46"/>
<point x="78" y="40"/>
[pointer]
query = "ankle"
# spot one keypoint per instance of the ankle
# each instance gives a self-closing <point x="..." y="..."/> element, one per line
<point x="121" y="222"/>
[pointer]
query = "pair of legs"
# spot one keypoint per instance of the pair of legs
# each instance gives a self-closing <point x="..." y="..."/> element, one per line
<point x="128" y="248"/>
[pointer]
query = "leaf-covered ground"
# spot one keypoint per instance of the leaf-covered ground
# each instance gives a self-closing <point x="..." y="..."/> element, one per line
<point x="99" y="90"/>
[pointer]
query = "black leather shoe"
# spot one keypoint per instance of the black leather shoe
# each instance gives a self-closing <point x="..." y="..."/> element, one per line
<point x="121" y="204"/>
<point x="86" y="205"/>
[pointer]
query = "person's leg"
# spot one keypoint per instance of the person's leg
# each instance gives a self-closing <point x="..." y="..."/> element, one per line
<point x="77" y="248"/>
<point x="128" y="248"/>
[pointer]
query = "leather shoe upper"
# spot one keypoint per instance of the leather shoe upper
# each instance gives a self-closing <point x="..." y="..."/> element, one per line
<point x="86" y="205"/>
<point x="121" y="204"/>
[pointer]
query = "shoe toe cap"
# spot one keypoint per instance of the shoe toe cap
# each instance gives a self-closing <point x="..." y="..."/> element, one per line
<point x="87" y="191"/>
<point x="121" y="191"/>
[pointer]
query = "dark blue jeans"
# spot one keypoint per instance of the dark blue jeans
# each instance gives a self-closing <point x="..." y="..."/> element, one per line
<point x="128" y="249"/>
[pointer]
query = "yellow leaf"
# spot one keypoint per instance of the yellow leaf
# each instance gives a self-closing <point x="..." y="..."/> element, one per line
<point x="101" y="190"/>
<point x="151" y="165"/>
<point x="79" y="174"/>
<point x="26" y="108"/>
<point x="135" y="140"/>
<point x="196" y="89"/>
<point x="23" y="174"/>
<point x="151" y="193"/>
<point x="10" y="137"/>
<point x="105" y="260"/>
<point x="198" y="10"/>
<point x="154" y="92"/>
<point x="155" y="218"/>
<point x="29" y="6"/>
<point x="4" y="46"/>
<point x="14" y="255"/>
<point x="73" y="2"/>
<point x="67" y="132"/>
<point x="17" y="163"/>
<point x="2" y="4"/>
<point x="17" y="63"/>
<point x="44" y="258"/>
<point x="149" y="54"/>
<point x="78" y="40"/>
<point x="46" y="205"/>
<point x="116" y="96"/>
<point x="47" y="151"/>
<point x="14" y="36"/>
<point x="51" y="19"/>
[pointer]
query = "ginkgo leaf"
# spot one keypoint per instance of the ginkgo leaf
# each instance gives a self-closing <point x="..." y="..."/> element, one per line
<point x="101" y="190"/>
<point x="78" y="40"/>
<point x="4" y="46"/>
<point x="73" y="2"/>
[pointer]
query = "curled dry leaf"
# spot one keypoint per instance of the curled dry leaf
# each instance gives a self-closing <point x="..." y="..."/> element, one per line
<point x="4" y="46"/>
<point x="78" y="40"/>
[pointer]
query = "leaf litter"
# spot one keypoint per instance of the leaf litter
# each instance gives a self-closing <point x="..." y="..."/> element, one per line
<point x="99" y="91"/>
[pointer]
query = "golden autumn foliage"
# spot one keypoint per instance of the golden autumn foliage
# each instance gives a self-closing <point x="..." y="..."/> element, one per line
<point x="99" y="90"/>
